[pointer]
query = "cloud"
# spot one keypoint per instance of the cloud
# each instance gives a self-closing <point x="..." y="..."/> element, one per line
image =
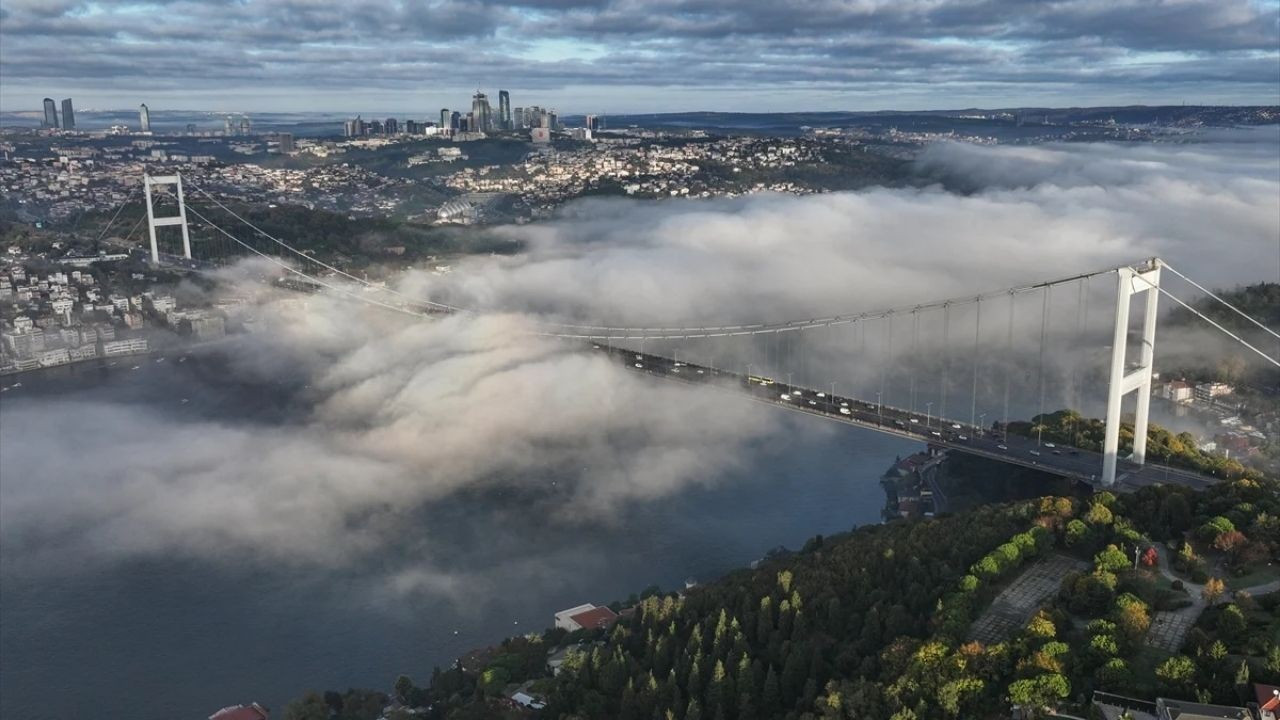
<point x="386" y="421"/>
<point x="573" y="52"/>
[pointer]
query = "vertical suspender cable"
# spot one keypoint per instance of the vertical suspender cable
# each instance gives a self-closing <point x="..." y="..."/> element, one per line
<point x="946" y="356"/>
<point x="1044" y="324"/>
<point x="915" y="353"/>
<point x="977" y="334"/>
<point x="1008" y="366"/>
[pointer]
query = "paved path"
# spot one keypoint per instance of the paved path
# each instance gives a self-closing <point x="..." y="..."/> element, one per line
<point x="1016" y="604"/>
<point x="1169" y="627"/>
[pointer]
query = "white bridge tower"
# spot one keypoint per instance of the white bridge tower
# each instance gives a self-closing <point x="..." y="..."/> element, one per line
<point x="154" y="222"/>
<point x="1125" y="380"/>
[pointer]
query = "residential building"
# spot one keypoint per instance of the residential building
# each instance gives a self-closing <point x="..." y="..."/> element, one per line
<point x="253" y="711"/>
<point x="585" y="616"/>
<point x="1209" y="390"/>
<point x="1268" y="699"/>
<point x="1169" y="709"/>
<point x="1179" y="391"/>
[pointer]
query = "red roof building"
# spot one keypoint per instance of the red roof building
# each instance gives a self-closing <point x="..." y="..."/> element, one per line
<point x="1268" y="700"/>
<point x="241" y="712"/>
<point x="598" y="617"/>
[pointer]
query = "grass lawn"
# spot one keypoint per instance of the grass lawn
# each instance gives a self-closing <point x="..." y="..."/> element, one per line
<point x="1262" y="575"/>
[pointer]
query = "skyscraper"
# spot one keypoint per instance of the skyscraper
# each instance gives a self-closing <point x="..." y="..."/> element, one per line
<point x="455" y="120"/>
<point x="144" y="118"/>
<point x="246" y="128"/>
<point x="517" y="119"/>
<point x="481" y="113"/>
<point x="444" y="118"/>
<point x="391" y="126"/>
<point x="68" y="115"/>
<point x="504" y="109"/>
<point x="50" y="113"/>
<point x="226" y="126"/>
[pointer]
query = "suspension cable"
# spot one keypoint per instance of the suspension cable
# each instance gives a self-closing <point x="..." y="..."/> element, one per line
<point x="1209" y="320"/>
<point x="1210" y="293"/>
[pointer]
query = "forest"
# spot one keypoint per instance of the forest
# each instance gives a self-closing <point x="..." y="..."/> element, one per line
<point x="876" y="623"/>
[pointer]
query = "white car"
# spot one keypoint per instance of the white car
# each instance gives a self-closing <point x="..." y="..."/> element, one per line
<point x="1003" y="447"/>
<point x="955" y="426"/>
<point x="639" y="357"/>
<point x="962" y="437"/>
<point x="784" y="396"/>
<point x="813" y="402"/>
<point x="844" y="411"/>
<point x="1034" y="452"/>
<point x="935" y="433"/>
<point x="915" y="421"/>
<point x="639" y="365"/>
<point x="1050" y="445"/>
<point x="822" y="394"/>
<point x="844" y="404"/>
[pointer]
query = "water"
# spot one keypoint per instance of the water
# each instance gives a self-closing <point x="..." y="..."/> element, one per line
<point x="157" y="637"/>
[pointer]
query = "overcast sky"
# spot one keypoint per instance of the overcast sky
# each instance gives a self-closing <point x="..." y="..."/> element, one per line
<point x="637" y="55"/>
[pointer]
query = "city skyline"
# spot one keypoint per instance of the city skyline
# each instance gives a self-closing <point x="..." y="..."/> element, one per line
<point x="585" y="56"/>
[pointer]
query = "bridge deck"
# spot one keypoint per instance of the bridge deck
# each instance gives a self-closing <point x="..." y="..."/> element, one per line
<point x="1082" y="465"/>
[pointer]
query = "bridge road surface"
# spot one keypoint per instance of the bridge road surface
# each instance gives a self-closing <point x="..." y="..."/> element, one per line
<point x="1082" y="465"/>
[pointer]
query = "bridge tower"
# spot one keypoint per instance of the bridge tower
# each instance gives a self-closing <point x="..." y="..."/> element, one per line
<point x="154" y="222"/>
<point x="1123" y="379"/>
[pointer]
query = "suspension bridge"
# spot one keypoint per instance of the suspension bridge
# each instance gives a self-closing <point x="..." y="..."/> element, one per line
<point x="975" y="352"/>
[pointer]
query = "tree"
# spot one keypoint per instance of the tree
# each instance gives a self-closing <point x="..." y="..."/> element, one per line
<point x="1150" y="557"/>
<point x="403" y="688"/>
<point x="1114" y="674"/>
<point x="1232" y="623"/>
<point x="1077" y="533"/>
<point x="1098" y="514"/>
<point x="309" y="707"/>
<point x="1111" y="559"/>
<point x="1039" y="691"/>
<point x="1176" y="674"/>
<point x="1213" y="589"/>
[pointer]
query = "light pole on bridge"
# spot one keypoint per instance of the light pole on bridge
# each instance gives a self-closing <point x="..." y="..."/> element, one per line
<point x="982" y="419"/>
<point x="879" y="409"/>
<point x="928" y="414"/>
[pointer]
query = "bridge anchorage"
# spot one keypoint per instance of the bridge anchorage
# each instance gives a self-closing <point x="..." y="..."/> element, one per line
<point x="871" y="409"/>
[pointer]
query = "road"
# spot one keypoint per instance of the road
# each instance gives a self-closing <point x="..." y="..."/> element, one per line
<point x="1077" y="464"/>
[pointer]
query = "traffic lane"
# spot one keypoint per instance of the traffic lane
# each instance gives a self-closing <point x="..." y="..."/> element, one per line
<point x="1066" y="461"/>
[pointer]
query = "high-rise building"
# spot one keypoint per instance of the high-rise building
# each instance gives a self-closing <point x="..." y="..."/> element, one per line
<point x="246" y="127"/>
<point x="591" y="123"/>
<point x="481" y="113"/>
<point x="444" y="118"/>
<point x="285" y="141"/>
<point x="553" y="120"/>
<point x="144" y="118"/>
<point x="392" y="126"/>
<point x="517" y="119"/>
<point x="375" y="127"/>
<point x="455" y="120"/>
<point x="50" y="113"/>
<point x="68" y="115"/>
<point x="226" y="126"/>
<point x="504" y="109"/>
<point x="411" y="127"/>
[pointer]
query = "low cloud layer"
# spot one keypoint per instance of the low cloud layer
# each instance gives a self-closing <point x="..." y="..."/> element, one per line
<point x="397" y="416"/>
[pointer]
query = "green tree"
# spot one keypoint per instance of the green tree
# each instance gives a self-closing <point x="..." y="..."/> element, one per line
<point x="1176" y="674"/>
<point x="309" y="707"/>
<point x="1040" y="691"/>
<point x="1111" y="559"/>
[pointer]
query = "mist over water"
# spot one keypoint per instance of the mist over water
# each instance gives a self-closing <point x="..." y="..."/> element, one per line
<point x="344" y="489"/>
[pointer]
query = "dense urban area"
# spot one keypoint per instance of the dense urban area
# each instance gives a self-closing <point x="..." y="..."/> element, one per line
<point x="1162" y="603"/>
